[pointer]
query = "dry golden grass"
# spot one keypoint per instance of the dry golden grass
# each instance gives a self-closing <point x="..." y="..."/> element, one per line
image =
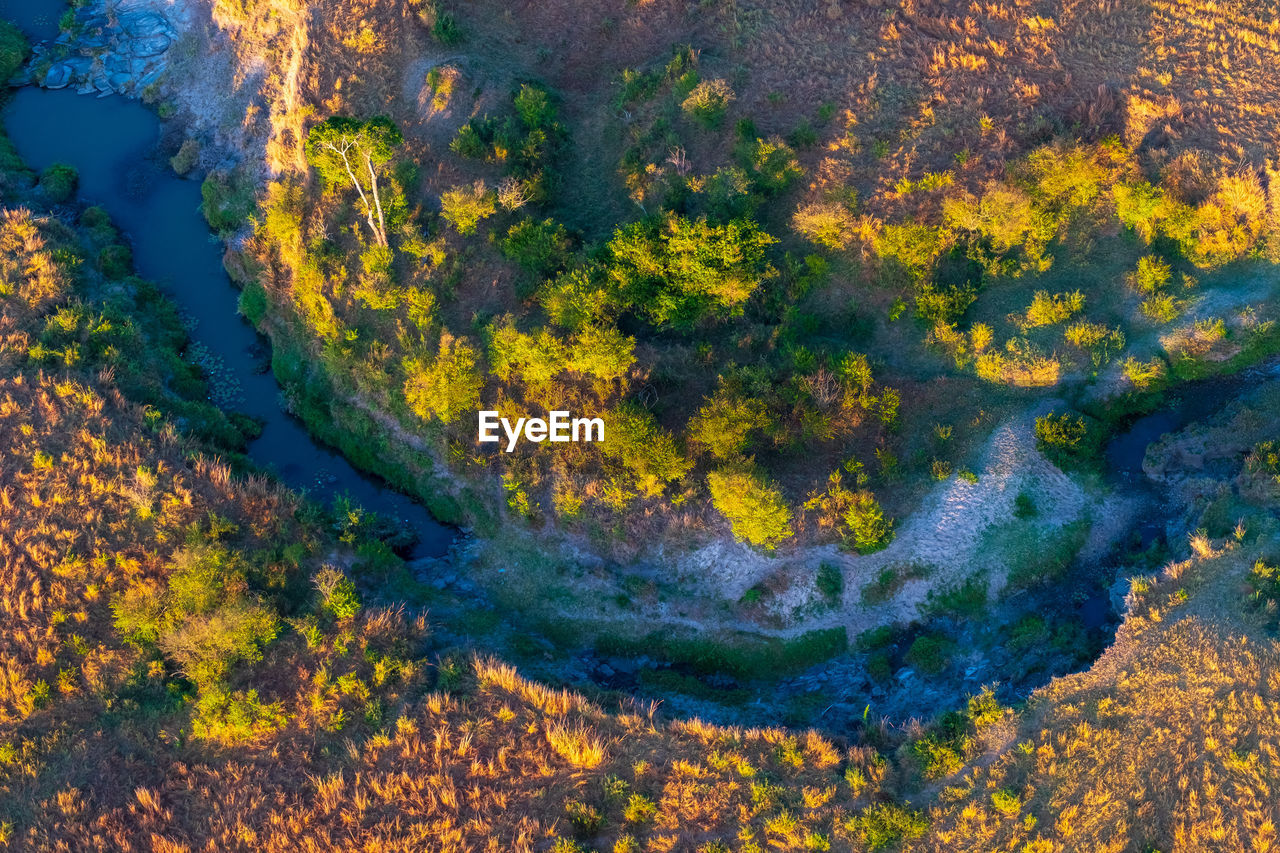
<point x="1170" y="741"/>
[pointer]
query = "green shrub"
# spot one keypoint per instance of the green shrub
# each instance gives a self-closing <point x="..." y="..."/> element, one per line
<point x="708" y="102"/>
<point x="929" y="654"/>
<point x="1045" y="310"/>
<point x="186" y="158"/>
<point x="226" y="202"/>
<point x="1152" y="276"/>
<point x="635" y="439"/>
<point x="868" y="530"/>
<point x="13" y="50"/>
<point x="448" y="386"/>
<point x="59" y="182"/>
<point x="1066" y="439"/>
<point x="337" y="593"/>
<point x="756" y="510"/>
<point x="466" y="207"/>
<point x="542" y="248"/>
<point x="1007" y="802"/>
<point x="830" y="582"/>
<point x="586" y="819"/>
<point x="206" y="620"/>
<point x="725" y="422"/>
<point x="884" y="825"/>
<point x="681" y="271"/>
<point x="115" y="262"/>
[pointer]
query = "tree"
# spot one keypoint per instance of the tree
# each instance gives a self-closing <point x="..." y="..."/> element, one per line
<point x="346" y="150"/>
<point x="724" y="424"/>
<point x="446" y="387"/>
<point x="681" y="270"/>
<point x="634" y="438"/>
<point x="464" y="207"/>
<point x="755" y="508"/>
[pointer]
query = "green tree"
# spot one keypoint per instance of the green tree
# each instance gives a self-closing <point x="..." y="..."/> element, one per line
<point x="633" y="437"/>
<point x="680" y="270"/>
<point x="602" y="352"/>
<point x="206" y="620"/>
<point x="868" y="529"/>
<point x="465" y="207"/>
<point x="446" y="387"/>
<point x="755" y="508"/>
<point x="725" y="422"/>
<point x="347" y="151"/>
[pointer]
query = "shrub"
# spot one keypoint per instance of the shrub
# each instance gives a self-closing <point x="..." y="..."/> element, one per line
<point x="929" y="654"/>
<point x="1045" y="310"/>
<point x="586" y="819"/>
<point x="681" y="271"/>
<point x="1152" y="275"/>
<point x="534" y="107"/>
<point x="770" y="163"/>
<point x="708" y="102"/>
<point x="186" y="158"/>
<point x="724" y="423"/>
<point x="206" y="620"/>
<point x="828" y="224"/>
<point x="1144" y="374"/>
<point x="13" y="50"/>
<point x="466" y="207"/>
<point x="448" y="386"/>
<point x="648" y="451"/>
<point x="1065" y="438"/>
<point x="756" y="510"/>
<point x="1161" y="308"/>
<point x="1007" y="802"/>
<point x="59" y="182"/>
<point x="337" y="593"/>
<point x="226" y="202"/>
<point x="115" y="262"/>
<point x="868" y="530"/>
<point x="539" y="247"/>
<point x="884" y="825"/>
<point x="830" y="582"/>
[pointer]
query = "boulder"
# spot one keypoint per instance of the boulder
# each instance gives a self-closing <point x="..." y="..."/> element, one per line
<point x="58" y="76"/>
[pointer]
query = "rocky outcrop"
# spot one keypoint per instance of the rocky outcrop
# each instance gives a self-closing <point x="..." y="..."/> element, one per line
<point x="112" y="47"/>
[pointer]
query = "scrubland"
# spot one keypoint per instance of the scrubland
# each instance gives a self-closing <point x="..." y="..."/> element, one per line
<point x="807" y="259"/>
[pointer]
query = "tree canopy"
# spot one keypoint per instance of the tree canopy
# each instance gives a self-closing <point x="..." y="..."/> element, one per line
<point x="347" y="151"/>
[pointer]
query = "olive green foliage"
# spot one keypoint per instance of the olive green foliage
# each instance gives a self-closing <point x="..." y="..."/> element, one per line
<point x="206" y="621"/>
<point x="524" y="144"/>
<point x="542" y="248"/>
<point x="115" y="261"/>
<point x="708" y="102"/>
<point x="226" y="201"/>
<point x="186" y="158"/>
<point x="868" y="530"/>
<point x="13" y="50"/>
<point x="446" y="387"/>
<point x="466" y="207"/>
<point x="338" y="595"/>
<point x="647" y="451"/>
<point x="347" y="152"/>
<point x="755" y="508"/>
<point x="59" y="182"/>
<point x="884" y="825"/>
<point x="726" y="421"/>
<point x="1067" y="439"/>
<point x="678" y="272"/>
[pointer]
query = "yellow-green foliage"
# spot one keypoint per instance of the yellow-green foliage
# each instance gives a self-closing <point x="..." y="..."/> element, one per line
<point x="754" y="507"/>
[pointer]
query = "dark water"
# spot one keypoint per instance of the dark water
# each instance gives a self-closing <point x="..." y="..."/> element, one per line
<point x="112" y="142"/>
<point x="37" y="18"/>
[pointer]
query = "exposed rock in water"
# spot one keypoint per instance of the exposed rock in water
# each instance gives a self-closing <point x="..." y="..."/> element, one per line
<point x="113" y="47"/>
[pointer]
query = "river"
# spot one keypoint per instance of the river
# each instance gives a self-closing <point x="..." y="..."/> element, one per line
<point x="113" y="143"/>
